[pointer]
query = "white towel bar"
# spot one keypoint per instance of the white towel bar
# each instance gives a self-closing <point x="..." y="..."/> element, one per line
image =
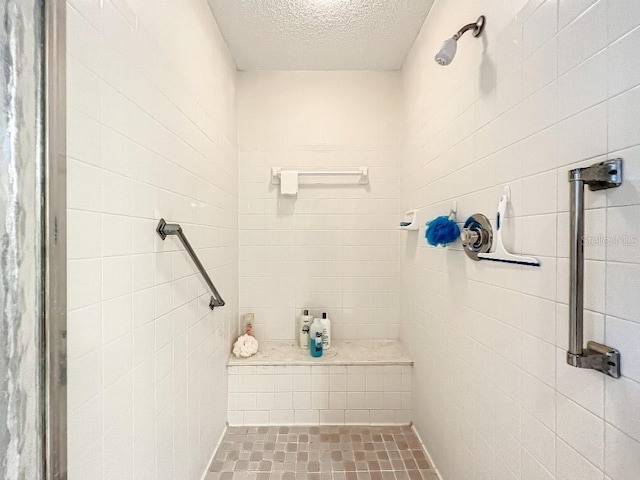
<point x="362" y="172"/>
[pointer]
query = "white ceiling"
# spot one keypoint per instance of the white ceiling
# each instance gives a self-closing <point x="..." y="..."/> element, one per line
<point x="320" y="34"/>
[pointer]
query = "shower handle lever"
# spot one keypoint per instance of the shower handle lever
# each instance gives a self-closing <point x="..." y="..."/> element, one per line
<point x="596" y="356"/>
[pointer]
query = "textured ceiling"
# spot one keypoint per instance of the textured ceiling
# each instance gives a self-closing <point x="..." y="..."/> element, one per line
<point x="320" y="34"/>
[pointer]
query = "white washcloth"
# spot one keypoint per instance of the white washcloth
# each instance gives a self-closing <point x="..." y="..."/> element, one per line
<point x="289" y="182"/>
<point x="245" y="346"/>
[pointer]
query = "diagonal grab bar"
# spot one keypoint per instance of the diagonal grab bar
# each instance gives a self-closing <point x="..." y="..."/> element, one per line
<point x="165" y="229"/>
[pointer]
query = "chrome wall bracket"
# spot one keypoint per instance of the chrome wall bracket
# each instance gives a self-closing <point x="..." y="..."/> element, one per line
<point x="599" y="176"/>
<point x="165" y="229"/>
<point x="597" y="357"/>
<point x="476" y="236"/>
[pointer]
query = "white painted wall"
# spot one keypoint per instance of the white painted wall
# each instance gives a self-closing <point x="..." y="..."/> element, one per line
<point x="334" y="247"/>
<point x="551" y="84"/>
<point x="151" y="133"/>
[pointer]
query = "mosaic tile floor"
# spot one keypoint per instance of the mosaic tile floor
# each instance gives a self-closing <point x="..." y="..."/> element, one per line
<point x="320" y="453"/>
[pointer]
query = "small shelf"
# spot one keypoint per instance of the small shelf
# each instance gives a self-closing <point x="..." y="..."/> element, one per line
<point x="410" y="221"/>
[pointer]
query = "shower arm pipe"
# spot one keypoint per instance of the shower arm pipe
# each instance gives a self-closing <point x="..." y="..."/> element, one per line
<point x="165" y="229"/>
<point x="595" y="356"/>
<point x="475" y="26"/>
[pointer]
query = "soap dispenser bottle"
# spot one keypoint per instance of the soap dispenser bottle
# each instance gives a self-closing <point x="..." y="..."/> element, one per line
<point x="303" y="329"/>
<point x="326" y="331"/>
<point x="315" y="338"/>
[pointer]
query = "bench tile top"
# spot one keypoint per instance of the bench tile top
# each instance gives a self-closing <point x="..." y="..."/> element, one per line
<point x="342" y="352"/>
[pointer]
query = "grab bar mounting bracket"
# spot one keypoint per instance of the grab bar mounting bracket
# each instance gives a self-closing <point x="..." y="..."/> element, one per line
<point x="165" y="229"/>
<point x="600" y="176"/>
<point x="597" y="357"/>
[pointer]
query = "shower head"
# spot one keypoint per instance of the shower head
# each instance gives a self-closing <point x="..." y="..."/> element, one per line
<point x="449" y="47"/>
<point x="447" y="52"/>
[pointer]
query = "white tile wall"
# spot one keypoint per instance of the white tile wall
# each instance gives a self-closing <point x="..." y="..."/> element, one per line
<point x="319" y="395"/>
<point x="334" y="247"/>
<point x="552" y="84"/>
<point x="151" y="133"/>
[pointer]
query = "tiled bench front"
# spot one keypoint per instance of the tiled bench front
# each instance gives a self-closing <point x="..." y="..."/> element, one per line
<point x="354" y="383"/>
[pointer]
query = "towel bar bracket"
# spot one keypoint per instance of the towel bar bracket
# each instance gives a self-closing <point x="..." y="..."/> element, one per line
<point x="164" y="229"/>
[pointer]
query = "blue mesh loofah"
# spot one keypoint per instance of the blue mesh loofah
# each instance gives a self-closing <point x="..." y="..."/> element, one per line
<point x="442" y="231"/>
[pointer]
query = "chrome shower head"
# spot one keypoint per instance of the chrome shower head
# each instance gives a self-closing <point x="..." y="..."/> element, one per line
<point x="449" y="47"/>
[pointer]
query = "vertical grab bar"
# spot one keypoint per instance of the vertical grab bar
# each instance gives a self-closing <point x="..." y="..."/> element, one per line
<point x="165" y="229"/>
<point x="599" y="176"/>
<point x="576" y="265"/>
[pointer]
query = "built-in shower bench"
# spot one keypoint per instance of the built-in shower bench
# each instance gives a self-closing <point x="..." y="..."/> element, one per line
<point x="354" y="382"/>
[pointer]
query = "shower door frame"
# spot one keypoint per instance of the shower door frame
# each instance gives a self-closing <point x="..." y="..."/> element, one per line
<point x="54" y="231"/>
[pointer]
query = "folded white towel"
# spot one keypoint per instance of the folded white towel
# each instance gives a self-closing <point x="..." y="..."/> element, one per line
<point x="245" y="346"/>
<point x="289" y="182"/>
